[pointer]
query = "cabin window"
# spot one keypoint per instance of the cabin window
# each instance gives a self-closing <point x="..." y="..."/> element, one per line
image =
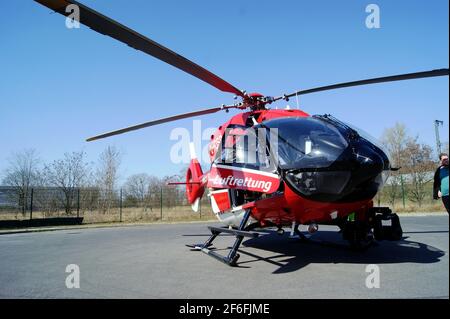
<point x="246" y="147"/>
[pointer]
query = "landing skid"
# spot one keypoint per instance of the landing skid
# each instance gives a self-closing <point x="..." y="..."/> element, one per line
<point x="296" y="234"/>
<point x="240" y="233"/>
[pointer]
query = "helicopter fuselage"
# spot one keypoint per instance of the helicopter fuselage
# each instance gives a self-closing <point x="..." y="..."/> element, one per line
<point x="330" y="172"/>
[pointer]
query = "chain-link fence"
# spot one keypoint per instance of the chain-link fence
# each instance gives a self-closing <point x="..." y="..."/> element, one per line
<point x="160" y="203"/>
<point x="95" y="205"/>
<point x="404" y="195"/>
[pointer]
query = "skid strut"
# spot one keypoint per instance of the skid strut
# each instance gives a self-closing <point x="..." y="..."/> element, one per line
<point x="240" y="233"/>
<point x="296" y="233"/>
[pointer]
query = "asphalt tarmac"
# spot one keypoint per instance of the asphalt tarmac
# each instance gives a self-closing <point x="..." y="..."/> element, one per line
<point x="153" y="262"/>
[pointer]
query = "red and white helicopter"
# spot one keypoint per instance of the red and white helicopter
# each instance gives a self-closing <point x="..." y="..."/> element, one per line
<point x="274" y="167"/>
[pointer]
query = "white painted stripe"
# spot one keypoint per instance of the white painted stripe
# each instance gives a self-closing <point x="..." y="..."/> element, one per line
<point x="214" y="205"/>
<point x="236" y="208"/>
<point x="248" y="170"/>
<point x="219" y="191"/>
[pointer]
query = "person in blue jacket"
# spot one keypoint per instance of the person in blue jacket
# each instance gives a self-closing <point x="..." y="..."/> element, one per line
<point x="440" y="185"/>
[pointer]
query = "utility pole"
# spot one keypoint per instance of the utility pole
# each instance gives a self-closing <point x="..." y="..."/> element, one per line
<point x="438" y="139"/>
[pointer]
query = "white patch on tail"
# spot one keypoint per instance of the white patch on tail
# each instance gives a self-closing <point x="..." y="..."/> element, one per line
<point x="192" y="150"/>
<point x="195" y="206"/>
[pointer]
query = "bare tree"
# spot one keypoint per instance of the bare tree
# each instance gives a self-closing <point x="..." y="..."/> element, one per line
<point x="107" y="175"/>
<point x="68" y="175"/>
<point x="174" y="195"/>
<point x="419" y="166"/>
<point x="155" y="188"/>
<point x="394" y="188"/>
<point x="22" y="174"/>
<point x="395" y="139"/>
<point x="137" y="188"/>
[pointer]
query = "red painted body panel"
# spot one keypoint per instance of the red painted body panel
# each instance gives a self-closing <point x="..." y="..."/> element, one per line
<point x="222" y="200"/>
<point x="289" y="207"/>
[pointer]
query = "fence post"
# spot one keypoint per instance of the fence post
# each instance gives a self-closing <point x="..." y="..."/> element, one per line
<point x="120" y="205"/>
<point x="23" y="200"/>
<point x="31" y="204"/>
<point x="161" y="202"/>
<point x="403" y="190"/>
<point x="78" y="203"/>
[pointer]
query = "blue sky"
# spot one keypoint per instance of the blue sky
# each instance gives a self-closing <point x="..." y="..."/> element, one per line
<point x="59" y="86"/>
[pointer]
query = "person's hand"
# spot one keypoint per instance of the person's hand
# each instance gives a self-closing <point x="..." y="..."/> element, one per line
<point x="439" y="194"/>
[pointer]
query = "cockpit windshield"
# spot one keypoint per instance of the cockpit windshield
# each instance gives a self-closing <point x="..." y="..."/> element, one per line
<point x="368" y="137"/>
<point x="304" y="142"/>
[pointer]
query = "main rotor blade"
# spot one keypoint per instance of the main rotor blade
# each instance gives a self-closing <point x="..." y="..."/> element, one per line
<point x="401" y="77"/>
<point x="107" y="26"/>
<point x="160" y="121"/>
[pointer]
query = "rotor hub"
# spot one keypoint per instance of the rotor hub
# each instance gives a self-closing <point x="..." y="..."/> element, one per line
<point x="255" y="101"/>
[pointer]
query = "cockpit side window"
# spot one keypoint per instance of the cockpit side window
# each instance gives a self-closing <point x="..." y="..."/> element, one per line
<point x="245" y="147"/>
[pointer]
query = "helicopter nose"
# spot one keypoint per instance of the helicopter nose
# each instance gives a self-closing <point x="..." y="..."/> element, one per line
<point x="370" y="161"/>
<point x="370" y="166"/>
